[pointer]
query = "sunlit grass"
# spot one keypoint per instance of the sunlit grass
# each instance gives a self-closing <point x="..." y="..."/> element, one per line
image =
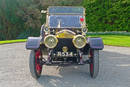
<point x="12" y="41"/>
<point x="115" y="40"/>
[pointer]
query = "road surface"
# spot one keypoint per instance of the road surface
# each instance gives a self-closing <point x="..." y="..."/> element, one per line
<point x="14" y="70"/>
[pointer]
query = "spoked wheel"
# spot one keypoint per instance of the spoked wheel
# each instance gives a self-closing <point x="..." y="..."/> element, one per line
<point x="34" y="63"/>
<point x="94" y="65"/>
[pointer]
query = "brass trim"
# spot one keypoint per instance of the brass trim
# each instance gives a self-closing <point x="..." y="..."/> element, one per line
<point x="65" y="49"/>
<point x="65" y="34"/>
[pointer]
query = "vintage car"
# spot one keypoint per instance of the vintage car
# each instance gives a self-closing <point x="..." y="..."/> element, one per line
<point x="63" y="41"/>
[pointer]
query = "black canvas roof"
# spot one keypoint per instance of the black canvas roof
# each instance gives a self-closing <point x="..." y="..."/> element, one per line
<point x="65" y="10"/>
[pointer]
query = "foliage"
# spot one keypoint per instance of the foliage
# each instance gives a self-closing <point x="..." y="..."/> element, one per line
<point x="18" y="18"/>
<point x="107" y="15"/>
<point x="22" y="18"/>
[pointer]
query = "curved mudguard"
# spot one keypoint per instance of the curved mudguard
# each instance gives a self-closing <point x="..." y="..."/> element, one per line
<point x="96" y="43"/>
<point x="33" y="43"/>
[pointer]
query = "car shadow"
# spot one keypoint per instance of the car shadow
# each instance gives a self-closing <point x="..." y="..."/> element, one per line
<point x="68" y="76"/>
<point x="112" y="67"/>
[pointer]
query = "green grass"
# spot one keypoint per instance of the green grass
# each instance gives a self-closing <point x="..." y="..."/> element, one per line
<point x="12" y="41"/>
<point x="115" y="40"/>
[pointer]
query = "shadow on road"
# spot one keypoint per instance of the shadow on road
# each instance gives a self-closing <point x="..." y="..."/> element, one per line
<point x="68" y="76"/>
<point x="114" y="71"/>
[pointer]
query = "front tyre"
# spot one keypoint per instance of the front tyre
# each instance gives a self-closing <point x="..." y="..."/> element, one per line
<point x="34" y="63"/>
<point x="94" y="65"/>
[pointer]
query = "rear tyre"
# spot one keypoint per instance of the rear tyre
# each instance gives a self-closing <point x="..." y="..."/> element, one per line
<point x="94" y="65"/>
<point x="34" y="64"/>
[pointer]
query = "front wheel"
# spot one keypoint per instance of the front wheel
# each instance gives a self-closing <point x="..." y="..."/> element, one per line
<point x="94" y="65"/>
<point x="34" y="63"/>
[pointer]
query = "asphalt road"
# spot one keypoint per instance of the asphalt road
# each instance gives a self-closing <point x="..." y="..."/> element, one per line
<point x="14" y="70"/>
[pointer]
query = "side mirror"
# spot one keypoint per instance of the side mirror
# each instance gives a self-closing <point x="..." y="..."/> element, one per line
<point x="43" y="11"/>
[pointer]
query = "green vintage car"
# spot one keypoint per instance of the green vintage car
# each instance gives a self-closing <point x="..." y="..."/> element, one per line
<point x="63" y="41"/>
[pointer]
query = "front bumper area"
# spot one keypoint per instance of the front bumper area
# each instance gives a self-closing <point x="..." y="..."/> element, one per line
<point x="71" y="50"/>
<point x="65" y="42"/>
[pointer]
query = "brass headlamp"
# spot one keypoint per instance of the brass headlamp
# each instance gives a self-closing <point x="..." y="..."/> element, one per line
<point x="79" y="41"/>
<point x="50" y="41"/>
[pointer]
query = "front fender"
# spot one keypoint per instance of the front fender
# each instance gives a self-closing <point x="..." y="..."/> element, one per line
<point x="33" y="43"/>
<point x="96" y="43"/>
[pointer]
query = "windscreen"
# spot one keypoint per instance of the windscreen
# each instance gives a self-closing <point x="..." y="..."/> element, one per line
<point x="66" y="10"/>
<point x="64" y="21"/>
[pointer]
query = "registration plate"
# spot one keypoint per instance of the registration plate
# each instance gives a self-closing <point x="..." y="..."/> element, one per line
<point x="65" y="54"/>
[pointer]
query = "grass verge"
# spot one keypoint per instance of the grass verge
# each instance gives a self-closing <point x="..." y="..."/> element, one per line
<point x="115" y="40"/>
<point x="12" y="41"/>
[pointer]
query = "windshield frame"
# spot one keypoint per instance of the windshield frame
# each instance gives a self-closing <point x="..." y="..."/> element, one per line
<point x="73" y="14"/>
<point x="64" y="26"/>
<point x="66" y="13"/>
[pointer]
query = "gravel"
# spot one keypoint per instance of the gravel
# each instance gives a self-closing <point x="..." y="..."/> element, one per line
<point x="14" y="70"/>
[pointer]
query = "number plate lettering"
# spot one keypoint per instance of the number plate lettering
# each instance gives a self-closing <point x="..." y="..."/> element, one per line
<point x="65" y="54"/>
